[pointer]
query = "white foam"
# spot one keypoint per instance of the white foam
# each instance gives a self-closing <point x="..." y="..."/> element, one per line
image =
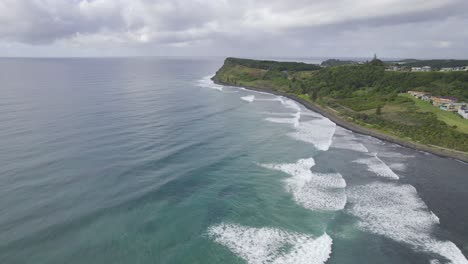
<point x="396" y="211"/>
<point x="395" y="155"/>
<point x="296" y="119"/>
<point x="343" y="132"/>
<point x="344" y="139"/>
<point x="310" y="113"/>
<point x="377" y="166"/>
<point x="276" y="99"/>
<point x="272" y="245"/>
<point x="280" y="99"/>
<point x="291" y="104"/>
<point x="351" y="145"/>
<point x="278" y="114"/>
<point x="398" y="166"/>
<point x="318" y="132"/>
<point x="280" y="120"/>
<point x="208" y="83"/>
<point x="248" y="98"/>
<point x="315" y="191"/>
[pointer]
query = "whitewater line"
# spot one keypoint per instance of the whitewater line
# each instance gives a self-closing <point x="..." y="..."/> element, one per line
<point x="314" y="191"/>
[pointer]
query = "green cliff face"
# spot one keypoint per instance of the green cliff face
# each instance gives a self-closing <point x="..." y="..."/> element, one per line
<point x="365" y="94"/>
<point x="272" y="75"/>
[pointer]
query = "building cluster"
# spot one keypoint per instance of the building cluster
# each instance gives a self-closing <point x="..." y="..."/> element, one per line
<point x="421" y="69"/>
<point x="465" y="68"/>
<point x="447" y="103"/>
<point x="425" y="69"/>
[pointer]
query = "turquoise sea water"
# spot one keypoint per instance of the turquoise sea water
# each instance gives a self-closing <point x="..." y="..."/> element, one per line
<point x="147" y="161"/>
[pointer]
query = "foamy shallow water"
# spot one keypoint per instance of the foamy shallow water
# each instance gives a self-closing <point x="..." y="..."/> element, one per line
<point x="389" y="209"/>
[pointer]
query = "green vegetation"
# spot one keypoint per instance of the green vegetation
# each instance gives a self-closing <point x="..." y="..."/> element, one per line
<point x="335" y="62"/>
<point x="365" y="94"/>
<point x="273" y="65"/>
<point x="452" y="119"/>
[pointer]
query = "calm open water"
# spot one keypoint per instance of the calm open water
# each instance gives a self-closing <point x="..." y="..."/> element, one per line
<point x="144" y="160"/>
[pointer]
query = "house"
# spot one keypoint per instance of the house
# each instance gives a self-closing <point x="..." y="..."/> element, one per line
<point x="448" y="107"/>
<point x="421" y="69"/>
<point x="393" y="68"/>
<point x="441" y="100"/>
<point x="419" y="94"/>
<point x="465" y="68"/>
<point x="426" y="97"/>
<point x="459" y="106"/>
<point x="463" y="111"/>
<point x="453" y="107"/>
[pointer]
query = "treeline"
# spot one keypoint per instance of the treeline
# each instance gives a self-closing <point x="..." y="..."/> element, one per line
<point x="344" y="80"/>
<point x="273" y="65"/>
<point x="336" y="62"/>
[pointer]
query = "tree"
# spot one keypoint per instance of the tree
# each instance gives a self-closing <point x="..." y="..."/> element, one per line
<point x="314" y="95"/>
<point x="376" y="62"/>
<point x="378" y="111"/>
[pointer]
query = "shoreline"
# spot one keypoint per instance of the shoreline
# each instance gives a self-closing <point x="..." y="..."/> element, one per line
<point x="357" y="128"/>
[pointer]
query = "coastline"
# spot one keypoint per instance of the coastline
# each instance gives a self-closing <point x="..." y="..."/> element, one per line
<point x="441" y="152"/>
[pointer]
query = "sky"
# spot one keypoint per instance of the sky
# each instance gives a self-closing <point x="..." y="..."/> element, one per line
<point x="243" y="28"/>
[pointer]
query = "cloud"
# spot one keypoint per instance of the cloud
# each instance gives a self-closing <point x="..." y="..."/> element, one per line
<point x="244" y="23"/>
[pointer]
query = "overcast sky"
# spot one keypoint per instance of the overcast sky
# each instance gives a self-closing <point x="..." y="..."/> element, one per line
<point x="293" y="28"/>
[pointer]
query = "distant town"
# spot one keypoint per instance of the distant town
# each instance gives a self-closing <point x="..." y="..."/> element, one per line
<point x="425" y="68"/>
<point x="447" y="103"/>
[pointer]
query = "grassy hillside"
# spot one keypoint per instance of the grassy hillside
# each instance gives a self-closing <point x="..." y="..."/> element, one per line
<point x="452" y="119"/>
<point x="366" y="95"/>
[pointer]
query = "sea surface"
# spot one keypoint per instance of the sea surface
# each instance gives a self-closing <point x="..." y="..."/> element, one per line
<point x="145" y="160"/>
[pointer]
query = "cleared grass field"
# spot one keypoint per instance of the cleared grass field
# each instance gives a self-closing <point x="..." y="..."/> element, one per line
<point x="450" y="118"/>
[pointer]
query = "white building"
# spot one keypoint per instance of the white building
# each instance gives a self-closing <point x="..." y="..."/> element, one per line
<point x="463" y="111"/>
<point x="454" y="69"/>
<point x="421" y="69"/>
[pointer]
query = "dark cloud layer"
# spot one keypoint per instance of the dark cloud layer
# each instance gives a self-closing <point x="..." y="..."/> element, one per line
<point x="393" y="28"/>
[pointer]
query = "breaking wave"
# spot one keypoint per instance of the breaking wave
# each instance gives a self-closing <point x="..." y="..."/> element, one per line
<point x="248" y="98"/>
<point x="377" y="166"/>
<point x="315" y="191"/>
<point x="272" y="245"/>
<point x="208" y="83"/>
<point x="396" y="211"/>
<point x="318" y="132"/>
<point x="398" y="166"/>
<point x="344" y="139"/>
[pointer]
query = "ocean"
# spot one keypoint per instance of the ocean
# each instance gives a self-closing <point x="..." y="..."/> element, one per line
<point x="145" y="160"/>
